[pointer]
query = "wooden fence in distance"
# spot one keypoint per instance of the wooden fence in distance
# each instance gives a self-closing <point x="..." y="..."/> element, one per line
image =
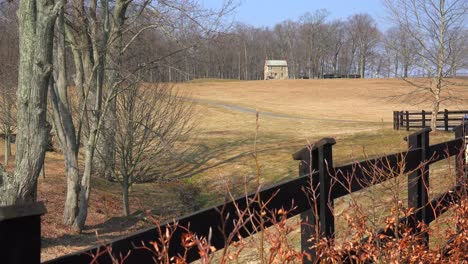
<point x="316" y="164"/>
<point x="446" y="120"/>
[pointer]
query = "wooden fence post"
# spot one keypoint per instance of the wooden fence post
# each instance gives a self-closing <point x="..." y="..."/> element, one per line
<point x="398" y="120"/>
<point x="20" y="233"/>
<point x="401" y="118"/>
<point x="407" y="121"/>
<point x="446" y="119"/>
<point x="418" y="181"/>
<point x="423" y="113"/>
<point x="460" y="162"/>
<point x="317" y="159"/>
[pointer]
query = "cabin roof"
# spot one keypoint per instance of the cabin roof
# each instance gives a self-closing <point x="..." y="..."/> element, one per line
<point x="276" y="63"/>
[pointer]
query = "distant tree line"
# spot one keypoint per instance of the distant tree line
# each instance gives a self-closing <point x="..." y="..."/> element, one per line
<point x="313" y="45"/>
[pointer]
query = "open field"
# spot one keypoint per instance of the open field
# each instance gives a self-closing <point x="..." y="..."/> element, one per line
<point x="357" y="113"/>
<point x="354" y="99"/>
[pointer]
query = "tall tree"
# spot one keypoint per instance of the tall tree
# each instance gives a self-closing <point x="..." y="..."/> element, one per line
<point x="100" y="34"/>
<point x="150" y="121"/>
<point x="402" y="50"/>
<point x="434" y="25"/>
<point x="36" y="21"/>
<point x="365" y="34"/>
<point x="98" y="30"/>
<point x="312" y="29"/>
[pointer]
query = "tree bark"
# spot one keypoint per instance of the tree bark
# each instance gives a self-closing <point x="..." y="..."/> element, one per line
<point x="90" y="55"/>
<point x="85" y="186"/>
<point x="435" y="110"/>
<point x="440" y="66"/>
<point x="396" y="65"/>
<point x="64" y="127"/>
<point x="7" y="148"/>
<point x="125" y="196"/>
<point x="362" y="65"/>
<point x="105" y="145"/>
<point x="36" y="21"/>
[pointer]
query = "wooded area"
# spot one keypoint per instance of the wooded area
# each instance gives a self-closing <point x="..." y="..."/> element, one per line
<point x="182" y="49"/>
<point x="97" y="76"/>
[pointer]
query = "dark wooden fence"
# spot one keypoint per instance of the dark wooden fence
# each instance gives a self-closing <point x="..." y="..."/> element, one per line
<point x="20" y="233"/>
<point x="339" y="76"/>
<point x="446" y="120"/>
<point x="315" y="169"/>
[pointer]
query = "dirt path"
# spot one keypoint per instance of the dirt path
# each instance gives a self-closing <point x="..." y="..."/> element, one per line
<point x="249" y="110"/>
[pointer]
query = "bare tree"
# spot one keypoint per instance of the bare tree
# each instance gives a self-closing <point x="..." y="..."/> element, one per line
<point x="401" y="50"/>
<point x="365" y="34"/>
<point x="312" y="29"/>
<point x="458" y="46"/>
<point x="335" y="42"/>
<point x="100" y="36"/>
<point x="436" y="26"/>
<point x="93" y="33"/>
<point x="150" y="120"/>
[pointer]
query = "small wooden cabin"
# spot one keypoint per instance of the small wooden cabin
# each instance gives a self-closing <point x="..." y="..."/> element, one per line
<point x="276" y="70"/>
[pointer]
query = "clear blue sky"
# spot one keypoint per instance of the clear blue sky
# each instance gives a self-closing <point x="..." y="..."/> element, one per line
<point x="270" y="12"/>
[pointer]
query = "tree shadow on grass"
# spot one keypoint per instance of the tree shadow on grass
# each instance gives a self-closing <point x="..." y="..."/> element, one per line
<point x="200" y="158"/>
<point x="112" y="228"/>
<point x="203" y="157"/>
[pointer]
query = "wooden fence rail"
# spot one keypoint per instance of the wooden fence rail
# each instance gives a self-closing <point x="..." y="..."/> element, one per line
<point x="447" y="121"/>
<point x="316" y="170"/>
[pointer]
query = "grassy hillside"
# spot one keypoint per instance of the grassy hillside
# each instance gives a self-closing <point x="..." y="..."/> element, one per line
<point x="358" y="113"/>
<point x="357" y="99"/>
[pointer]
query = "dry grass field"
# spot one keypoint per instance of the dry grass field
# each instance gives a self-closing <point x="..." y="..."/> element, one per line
<point x="353" y="99"/>
<point x="357" y="113"/>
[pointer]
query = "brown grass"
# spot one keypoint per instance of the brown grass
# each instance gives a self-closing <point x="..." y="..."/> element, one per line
<point x="362" y="99"/>
<point x="223" y="145"/>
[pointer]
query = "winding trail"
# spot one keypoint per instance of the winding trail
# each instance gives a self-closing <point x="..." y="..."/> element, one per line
<point x="249" y="110"/>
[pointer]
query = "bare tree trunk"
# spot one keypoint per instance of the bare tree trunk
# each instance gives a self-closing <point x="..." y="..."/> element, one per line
<point x="435" y="110"/>
<point x="440" y="66"/>
<point x="125" y="196"/>
<point x="396" y="65"/>
<point x="362" y="65"/>
<point x="71" y="201"/>
<point x="94" y="104"/>
<point x="6" y="152"/>
<point x="85" y="186"/>
<point x="90" y="65"/>
<point x="8" y="146"/>
<point x="405" y="70"/>
<point x="105" y="145"/>
<point x="246" y="65"/>
<point x="7" y="149"/>
<point x="170" y="73"/>
<point x="64" y="127"/>
<point x="36" y="27"/>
